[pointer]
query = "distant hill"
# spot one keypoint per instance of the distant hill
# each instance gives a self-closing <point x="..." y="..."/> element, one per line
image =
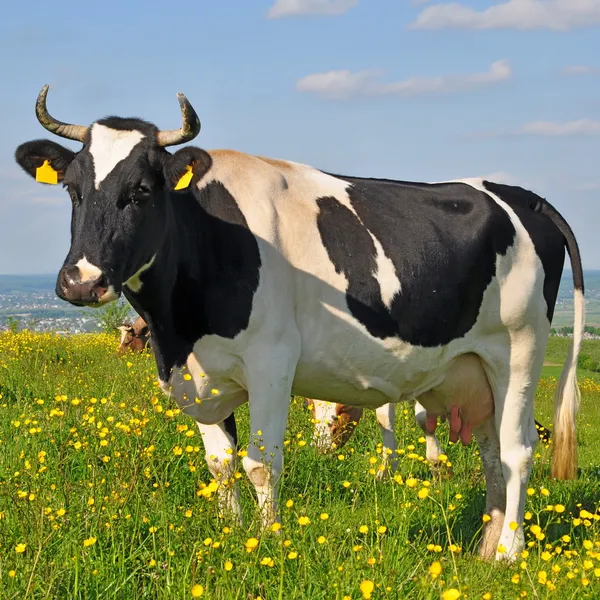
<point x="27" y="283"/>
<point x="563" y="314"/>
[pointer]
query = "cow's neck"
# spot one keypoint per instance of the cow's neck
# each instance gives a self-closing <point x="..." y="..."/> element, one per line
<point x="203" y="278"/>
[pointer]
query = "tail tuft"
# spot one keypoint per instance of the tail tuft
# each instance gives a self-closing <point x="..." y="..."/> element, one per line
<point x="566" y="403"/>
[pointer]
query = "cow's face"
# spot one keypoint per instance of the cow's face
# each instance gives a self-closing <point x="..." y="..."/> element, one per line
<point x="126" y="337"/>
<point x="120" y="184"/>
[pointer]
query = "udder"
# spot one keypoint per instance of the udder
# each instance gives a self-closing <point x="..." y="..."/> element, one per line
<point x="464" y="398"/>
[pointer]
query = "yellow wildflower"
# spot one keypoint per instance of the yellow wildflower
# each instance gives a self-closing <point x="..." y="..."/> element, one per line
<point x="435" y="569"/>
<point x="366" y="588"/>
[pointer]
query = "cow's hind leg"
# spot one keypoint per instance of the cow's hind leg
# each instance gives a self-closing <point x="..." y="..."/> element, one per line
<point x="220" y="445"/>
<point x="514" y="399"/>
<point x="386" y="417"/>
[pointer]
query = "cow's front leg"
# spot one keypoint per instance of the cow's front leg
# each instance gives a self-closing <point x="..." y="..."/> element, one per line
<point x="220" y="445"/>
<point x="269" y="381"/>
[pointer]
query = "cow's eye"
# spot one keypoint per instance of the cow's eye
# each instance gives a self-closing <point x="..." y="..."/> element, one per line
<point x="140" y="193"/>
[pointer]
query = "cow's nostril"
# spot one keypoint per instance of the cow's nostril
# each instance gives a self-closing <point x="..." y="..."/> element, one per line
<point x="71" y="276"/>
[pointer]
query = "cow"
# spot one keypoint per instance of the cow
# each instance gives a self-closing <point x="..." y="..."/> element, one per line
<point x="134" y="337"/>
<point x="260" y="278"/>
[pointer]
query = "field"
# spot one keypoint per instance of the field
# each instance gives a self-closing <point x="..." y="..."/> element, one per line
<point x="104" y="494"/>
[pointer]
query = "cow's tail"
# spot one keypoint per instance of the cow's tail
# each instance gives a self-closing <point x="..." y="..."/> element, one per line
<point x="567" y="396"/>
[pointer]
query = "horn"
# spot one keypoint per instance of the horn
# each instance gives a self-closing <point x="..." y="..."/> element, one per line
<point x="190" y="126"/>
<point x="65" y="130"/>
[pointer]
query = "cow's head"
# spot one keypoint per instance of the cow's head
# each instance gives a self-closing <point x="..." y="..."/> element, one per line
<point x="119" y="182"/>
<point x="134" y="337"/>
<point x="126" y="337"/>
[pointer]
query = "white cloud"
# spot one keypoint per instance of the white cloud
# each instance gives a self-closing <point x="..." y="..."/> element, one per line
<point x="345" y="84"/>
<point x="295" y="8"/>
<point x="556" y="15"/>
<point x="580" y="70"/>
<point x="339" y="84"/>
<point x="579" y="128"/>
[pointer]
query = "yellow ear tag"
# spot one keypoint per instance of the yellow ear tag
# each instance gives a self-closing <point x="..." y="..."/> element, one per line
<point x="185" y="179"/>
<point x="46" y="174"/>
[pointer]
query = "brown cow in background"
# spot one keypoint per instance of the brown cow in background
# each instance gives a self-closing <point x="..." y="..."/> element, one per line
<point x="134" y="337"/>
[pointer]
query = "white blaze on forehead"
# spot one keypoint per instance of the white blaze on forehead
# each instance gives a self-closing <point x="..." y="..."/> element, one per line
<point x="87" y="271"/>
<point x="109" y="147"/>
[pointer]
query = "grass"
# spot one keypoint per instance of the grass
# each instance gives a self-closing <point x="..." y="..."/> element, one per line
<point x="558" y="347"/>
<point x="104" y="494"/>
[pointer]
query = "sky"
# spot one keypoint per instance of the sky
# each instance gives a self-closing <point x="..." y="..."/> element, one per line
<point x="406" y="89"/>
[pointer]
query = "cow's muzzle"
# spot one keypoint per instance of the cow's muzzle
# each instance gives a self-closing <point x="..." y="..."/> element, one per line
<point x="71" y="286"/>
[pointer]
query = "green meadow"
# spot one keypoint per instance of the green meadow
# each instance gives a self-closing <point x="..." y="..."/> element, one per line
<point x="104" y="494"/>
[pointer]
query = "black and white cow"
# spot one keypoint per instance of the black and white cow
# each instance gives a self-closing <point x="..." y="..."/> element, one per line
<point x="260" y="278"/>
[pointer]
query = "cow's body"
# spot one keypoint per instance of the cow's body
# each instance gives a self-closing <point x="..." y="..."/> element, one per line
<point x="263" y="278"/>
<point x="348" y="345"/>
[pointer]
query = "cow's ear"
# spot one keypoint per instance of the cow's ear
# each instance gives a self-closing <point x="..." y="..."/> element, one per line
<point x="186" y="167"/>
<point x="44" y="160"/>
